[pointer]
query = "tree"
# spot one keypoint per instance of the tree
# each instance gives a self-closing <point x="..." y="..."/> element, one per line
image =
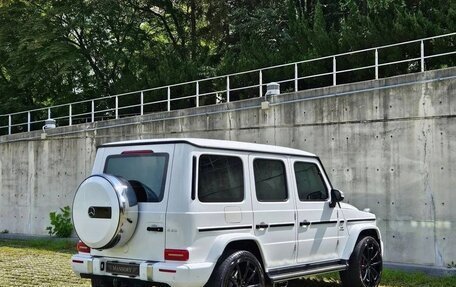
<point x="68" y="50"/>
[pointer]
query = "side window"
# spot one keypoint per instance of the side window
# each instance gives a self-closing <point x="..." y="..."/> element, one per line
<point x="220" y="179"/>
<point x="309" y="182"/>
<point x="270" y="180"/>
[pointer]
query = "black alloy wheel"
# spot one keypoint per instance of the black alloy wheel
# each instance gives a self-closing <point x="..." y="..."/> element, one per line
<point x="238" y="269"/>
<point x="371" y="264"/>
<point x="243" y="274"/>
<point x="365" y="265"/>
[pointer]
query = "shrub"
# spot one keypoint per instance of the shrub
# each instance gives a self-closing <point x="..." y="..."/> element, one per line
<point x="61" y="225"/>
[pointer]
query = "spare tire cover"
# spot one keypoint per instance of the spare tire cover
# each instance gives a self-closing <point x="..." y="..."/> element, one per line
<point x="105" y="211"/>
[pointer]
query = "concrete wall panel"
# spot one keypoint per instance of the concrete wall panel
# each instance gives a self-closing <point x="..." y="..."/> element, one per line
<point x="390" y="145"/>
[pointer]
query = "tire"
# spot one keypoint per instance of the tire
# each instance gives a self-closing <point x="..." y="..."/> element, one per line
<point x="236" y="269"/>
<point x="365" y="265"/>
<point x="100" y="282"/>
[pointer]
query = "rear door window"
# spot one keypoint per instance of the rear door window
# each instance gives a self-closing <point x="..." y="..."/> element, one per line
<point x="270" y="180"/>
<point x="145" y="172"/>
<point x="220" y="178"/>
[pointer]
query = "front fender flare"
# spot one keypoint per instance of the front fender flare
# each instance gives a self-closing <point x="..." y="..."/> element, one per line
<point x="354" y="232"/>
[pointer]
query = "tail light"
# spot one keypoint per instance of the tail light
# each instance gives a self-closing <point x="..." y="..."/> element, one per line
<point x="82" y="248"/>
<point x="177" y="254"/>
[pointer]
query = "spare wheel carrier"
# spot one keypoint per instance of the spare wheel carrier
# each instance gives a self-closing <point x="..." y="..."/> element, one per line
<point x="105" y="211"/>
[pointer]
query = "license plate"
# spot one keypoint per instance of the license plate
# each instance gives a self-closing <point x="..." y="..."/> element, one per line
<point x="122" y="269"/>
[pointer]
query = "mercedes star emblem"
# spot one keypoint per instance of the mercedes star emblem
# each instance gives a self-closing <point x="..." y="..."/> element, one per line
<point x="91" y="212"/>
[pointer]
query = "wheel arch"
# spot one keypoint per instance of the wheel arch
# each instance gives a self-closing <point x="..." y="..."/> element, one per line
<point x="248" y="245"/>
<point x="358" y="232"/>
<point x="226" y="243"/>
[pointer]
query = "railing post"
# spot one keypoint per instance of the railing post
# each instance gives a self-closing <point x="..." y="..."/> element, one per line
<point x="169" y="98"/>
<point x="93" y="111"/>
<point x="9" y="124"/>
<point x="334" y="71"/>
<point x="70" y="115"/>
<point x="142" y="103"/>
<point x="197" y="93"/>
<point x="261" y="83"/>
<point x="117" y="107"/>
<point x="227" y="89"/>
<point x="422" y="55"/>
<point x="376" y="64"/>
<point x="28" y="121"/>
<point x="296" y="76"/>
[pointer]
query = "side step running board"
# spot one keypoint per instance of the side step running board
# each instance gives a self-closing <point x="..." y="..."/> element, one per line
<point x="283" y="275"/>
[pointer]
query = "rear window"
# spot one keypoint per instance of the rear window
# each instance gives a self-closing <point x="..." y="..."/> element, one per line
<point x="145" y="172"/>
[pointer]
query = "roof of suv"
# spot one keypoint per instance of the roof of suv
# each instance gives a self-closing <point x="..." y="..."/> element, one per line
<point x="216" y="144"/>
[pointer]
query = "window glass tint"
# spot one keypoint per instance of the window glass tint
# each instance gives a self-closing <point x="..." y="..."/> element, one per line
<point x="311" y="186"/>
<point x="270" y="182"/>
<point x="220" y="179"/>
<point x="146" y="173"/>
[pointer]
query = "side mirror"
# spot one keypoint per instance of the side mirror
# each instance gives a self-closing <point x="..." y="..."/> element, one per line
<point x="336" y="196"/>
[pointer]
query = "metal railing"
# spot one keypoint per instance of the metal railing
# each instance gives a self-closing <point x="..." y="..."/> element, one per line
<point x="231" y="87"/>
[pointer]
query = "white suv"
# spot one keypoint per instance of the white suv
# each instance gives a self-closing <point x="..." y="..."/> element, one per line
<point x="198" y="212"/>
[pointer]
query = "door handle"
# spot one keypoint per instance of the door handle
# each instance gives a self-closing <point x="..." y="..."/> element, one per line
<point x="304" y="223"/>
<point x="155" y="228"/>
<point x="262" y="226"/>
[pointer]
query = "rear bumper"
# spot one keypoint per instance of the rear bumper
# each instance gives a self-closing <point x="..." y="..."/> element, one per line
<point x="173" y="274"/>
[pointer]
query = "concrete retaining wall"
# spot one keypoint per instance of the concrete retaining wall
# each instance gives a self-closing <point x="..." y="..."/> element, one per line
<point x="389" y="144"/>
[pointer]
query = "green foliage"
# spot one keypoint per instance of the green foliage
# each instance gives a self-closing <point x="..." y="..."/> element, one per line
<point x="61" y="225"/>
<point x="54" y="52"/>
<point x="412" y="279"/>
<point x="5" y="231"/>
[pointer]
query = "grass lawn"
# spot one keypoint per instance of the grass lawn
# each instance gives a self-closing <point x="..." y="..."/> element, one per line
<point x="46" y="263"/>
<point x="37" y="263"/>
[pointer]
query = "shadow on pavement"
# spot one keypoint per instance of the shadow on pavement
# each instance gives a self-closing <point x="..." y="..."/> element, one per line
<point x="313" y="283"/>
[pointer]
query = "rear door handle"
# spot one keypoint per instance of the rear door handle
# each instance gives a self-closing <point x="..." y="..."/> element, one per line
<point x="262" y="226"/>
